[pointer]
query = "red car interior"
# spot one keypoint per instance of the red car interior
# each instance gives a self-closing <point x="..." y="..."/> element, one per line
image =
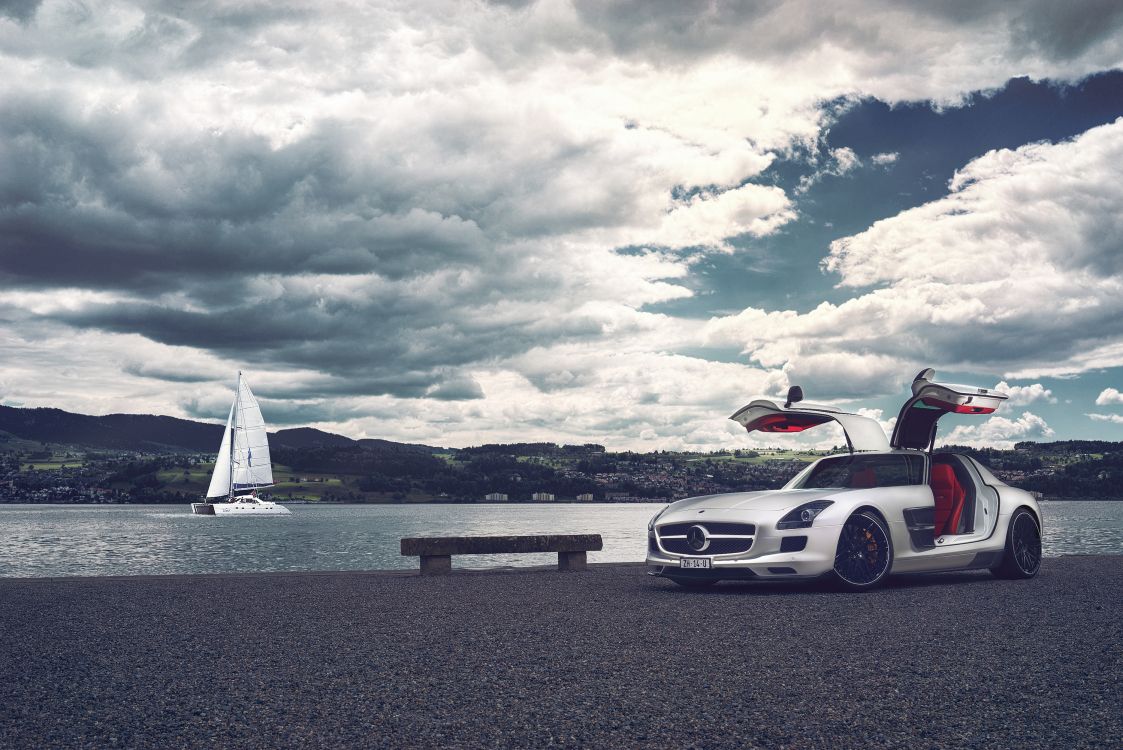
<point x="949" y="496"/>
<point x="864" y="479"/>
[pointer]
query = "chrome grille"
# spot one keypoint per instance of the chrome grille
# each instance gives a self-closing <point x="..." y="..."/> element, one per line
<point x="717" y="547"/>
<point x="723" y="538"/>
<point x="715" y="528"/>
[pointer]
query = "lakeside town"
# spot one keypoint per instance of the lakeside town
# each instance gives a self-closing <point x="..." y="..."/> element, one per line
<point x="534" y="472"/>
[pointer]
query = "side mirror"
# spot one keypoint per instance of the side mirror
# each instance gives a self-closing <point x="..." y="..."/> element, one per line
<point x="795" y="394"/>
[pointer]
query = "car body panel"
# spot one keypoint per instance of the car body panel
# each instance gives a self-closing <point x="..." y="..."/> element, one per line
<point x="764" y="500"/>
<point x="763" y="415"/>
<point x="916" y="424"/>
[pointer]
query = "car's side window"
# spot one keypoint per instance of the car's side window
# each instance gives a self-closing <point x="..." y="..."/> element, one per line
<point x="861" y="472"/>
<point x="916" y="469"/>
<point x="896" y="473"/>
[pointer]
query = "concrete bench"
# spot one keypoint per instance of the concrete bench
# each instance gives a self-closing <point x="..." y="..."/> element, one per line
<point x="436" y="551"/>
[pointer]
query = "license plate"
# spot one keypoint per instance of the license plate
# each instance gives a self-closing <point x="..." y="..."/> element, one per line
<point x="694" y="562"/>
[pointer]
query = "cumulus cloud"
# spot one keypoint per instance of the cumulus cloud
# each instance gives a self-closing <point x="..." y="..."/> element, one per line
<point x="1113" y="418"/>
<point x="1021" y="206"/>
<point x="1000" y="432"/>
<point x="1109" y="396"/>
<point x="1017" y="266"/>
<point x="445" y="221"/>
<point x="709" y="219"/>
<point x="1021" y="395"/>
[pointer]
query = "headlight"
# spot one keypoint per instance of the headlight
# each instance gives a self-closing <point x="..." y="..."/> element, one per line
<point x="654" y="518"/>
<point x="803" y="516"/>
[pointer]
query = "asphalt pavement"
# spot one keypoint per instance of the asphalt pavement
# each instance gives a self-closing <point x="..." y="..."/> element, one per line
<point x="608" y="658"/>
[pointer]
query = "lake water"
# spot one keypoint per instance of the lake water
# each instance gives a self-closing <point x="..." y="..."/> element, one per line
<point x="89" y="540"/>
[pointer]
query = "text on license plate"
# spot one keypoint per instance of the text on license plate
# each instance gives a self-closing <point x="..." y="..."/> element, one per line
<point x="694" y="562"/>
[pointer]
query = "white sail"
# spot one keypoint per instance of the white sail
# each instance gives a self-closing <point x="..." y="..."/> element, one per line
<point x="220" y="479"/>
<point x="252" y="467"/>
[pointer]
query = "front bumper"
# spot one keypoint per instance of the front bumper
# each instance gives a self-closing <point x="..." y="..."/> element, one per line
<point x="769" y="557"/>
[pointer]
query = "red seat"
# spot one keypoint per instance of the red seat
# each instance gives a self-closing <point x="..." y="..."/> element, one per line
<point x="863" y="479"/>
<point x="949" y="496"/>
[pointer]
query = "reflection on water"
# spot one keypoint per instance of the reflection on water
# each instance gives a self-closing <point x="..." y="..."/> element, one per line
<point x="54" y="540"/>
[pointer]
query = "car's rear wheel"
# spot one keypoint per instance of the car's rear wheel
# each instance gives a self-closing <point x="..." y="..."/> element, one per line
<point x="694" y="583"/>
<point x="1022" y="556"/>
<point x="864" y="554"/>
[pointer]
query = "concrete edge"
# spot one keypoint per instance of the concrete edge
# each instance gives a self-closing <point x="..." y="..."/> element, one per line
<point x="266" y="574"/>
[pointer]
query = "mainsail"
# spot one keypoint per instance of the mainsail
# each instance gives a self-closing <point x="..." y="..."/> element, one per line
<point x="243" y="458"/>
<point x="252" y="467"/>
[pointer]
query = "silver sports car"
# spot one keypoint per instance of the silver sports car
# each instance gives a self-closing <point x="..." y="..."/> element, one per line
<point x="887" y="506"/>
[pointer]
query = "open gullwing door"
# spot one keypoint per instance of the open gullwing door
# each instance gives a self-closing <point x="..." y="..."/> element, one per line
<point x="916" y="424"/>
<point x="763" y="415"/>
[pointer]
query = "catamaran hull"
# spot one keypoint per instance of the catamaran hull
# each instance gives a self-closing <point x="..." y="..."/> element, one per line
<point x="240" y="509"/>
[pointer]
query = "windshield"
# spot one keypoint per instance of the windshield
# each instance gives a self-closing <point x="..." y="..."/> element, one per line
<point x="861" y="472"/>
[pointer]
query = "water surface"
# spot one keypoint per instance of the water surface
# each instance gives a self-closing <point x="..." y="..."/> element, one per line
<point x="88" y="540"/>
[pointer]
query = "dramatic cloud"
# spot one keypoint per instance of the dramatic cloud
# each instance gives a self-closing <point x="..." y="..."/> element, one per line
<point x="455" y="222"/>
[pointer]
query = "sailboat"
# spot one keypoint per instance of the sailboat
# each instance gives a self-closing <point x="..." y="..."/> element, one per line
<point x="243" y="464"/>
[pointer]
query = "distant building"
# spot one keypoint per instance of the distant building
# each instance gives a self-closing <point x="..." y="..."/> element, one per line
<point x="585" y="497"/>
<point x="542" y="497"/>
<point x="615" y="495"/>
<point x="496" y="497"/>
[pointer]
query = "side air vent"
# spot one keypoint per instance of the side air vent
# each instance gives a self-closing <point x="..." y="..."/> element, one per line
<point x="793" y="544"/>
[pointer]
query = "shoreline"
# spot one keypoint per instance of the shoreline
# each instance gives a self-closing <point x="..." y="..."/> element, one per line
<point x="530" y="657"/>
<point x="391" y="572"/>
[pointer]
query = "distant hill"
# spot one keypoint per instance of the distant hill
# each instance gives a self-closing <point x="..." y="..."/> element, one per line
<point x="117" y="431"/>
<point x="146" y="432"/>
<point x="308" y="437"/>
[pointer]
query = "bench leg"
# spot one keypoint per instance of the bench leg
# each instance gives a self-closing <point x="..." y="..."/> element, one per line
<point x="436" y="565"/>
<point x="571" y="561"/>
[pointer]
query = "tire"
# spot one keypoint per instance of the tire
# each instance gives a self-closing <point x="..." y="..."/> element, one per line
<point x="694" y="583"/>
<point x="864" y="555"/>
<point x="1022" y="556"/>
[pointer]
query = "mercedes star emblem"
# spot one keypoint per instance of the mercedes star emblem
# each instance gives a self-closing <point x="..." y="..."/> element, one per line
<point x="697" y="538"/>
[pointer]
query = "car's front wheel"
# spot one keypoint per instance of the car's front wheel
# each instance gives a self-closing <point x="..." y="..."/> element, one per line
<point x="1022" y="556"/>
<point x="864" y="554"/>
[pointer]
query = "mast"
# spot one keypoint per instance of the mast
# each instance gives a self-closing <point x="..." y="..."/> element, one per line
<point x="234" y="433"/>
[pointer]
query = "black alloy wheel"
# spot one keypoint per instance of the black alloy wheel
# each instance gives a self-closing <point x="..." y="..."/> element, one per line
<point x="1022" y="556"/>
<point x="864" y="554"/>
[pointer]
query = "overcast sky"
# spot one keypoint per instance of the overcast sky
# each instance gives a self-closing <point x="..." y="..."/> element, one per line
<point x="466" y="222"/>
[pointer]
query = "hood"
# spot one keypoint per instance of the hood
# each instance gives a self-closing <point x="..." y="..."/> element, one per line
<point x="765" y="500"/>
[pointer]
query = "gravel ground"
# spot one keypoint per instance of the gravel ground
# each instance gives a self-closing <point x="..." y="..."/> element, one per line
<point x="606" y="658"/>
